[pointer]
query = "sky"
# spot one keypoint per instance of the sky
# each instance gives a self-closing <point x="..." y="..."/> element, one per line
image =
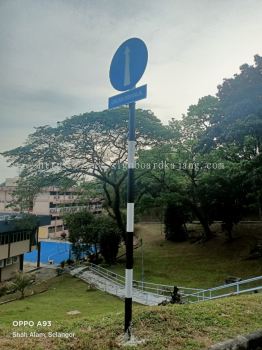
<point x="55" y="56"/>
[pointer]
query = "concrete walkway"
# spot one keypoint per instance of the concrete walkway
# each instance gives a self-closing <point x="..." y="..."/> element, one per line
<point x="114" y="288"/>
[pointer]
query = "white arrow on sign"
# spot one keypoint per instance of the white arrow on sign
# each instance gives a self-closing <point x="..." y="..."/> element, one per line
<point x="127" y="67"/>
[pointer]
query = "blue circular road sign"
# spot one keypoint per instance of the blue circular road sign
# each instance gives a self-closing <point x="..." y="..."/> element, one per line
<point x="128" y="64"/>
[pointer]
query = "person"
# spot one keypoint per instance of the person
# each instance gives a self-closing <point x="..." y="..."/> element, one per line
<point x="175" y="296"/>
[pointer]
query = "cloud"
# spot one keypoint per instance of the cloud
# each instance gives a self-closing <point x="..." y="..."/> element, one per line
<point x="55" y="55"/>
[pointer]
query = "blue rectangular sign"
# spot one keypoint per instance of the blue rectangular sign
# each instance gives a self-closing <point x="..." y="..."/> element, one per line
<point x="127" y="97"/>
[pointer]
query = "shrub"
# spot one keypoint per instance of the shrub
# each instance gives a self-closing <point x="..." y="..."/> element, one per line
<point x="3" y="289"/>
<point x="21" y="282"/>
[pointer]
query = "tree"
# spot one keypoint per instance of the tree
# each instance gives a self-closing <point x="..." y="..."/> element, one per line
<point x="240" y="110"/>
<point x="175" y="219"/>
<point x="99" y="232"/>
<point x="109" y="238"/>
<point x="83" y="233"/>
<point x="91" y="144"/>
<point x="187" y="154"/>
<point x="224" y="196"/>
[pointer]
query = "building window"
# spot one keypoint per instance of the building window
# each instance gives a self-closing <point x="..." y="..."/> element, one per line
<point x="51" y="229"/>
<point x="8" y="261"/>
<point x="15" y="259"/>
<point x="3" y="239"/>
<point x="59" y="228"/>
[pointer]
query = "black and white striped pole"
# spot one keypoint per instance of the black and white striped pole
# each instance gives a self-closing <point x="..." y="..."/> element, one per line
<point x="130" y="220"/>
<point x="127" y="67"/>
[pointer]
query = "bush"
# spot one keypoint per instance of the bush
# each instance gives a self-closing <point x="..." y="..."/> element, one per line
<point x="69" y="262"/>
<point x="20" y="283"/>
<point x="3" y="290"/>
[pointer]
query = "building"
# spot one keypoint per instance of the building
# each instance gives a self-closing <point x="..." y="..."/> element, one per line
<point x="15" y="241"/>
<point x="6" y="190"/>
<point x="50" y="201"/>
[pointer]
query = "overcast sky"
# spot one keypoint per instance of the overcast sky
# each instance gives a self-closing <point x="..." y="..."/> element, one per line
<point x="55" y="55"/>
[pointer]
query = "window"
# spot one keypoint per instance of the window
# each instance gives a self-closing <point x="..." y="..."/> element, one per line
<point x="51" y="229"/>
<point x="59" y="228"/>
<point x="15" y="237"/>
<point x="15" y="259"/>
<point x="2" y="263"/>
<point x="3" y="239"/>
<point x="8" y="261"/>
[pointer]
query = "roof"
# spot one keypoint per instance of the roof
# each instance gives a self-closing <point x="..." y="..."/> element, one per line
<point x="10" y="225"/>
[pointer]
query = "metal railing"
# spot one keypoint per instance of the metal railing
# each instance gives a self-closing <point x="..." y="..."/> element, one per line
<point x="147" y="287"/>
<point x="114" y="283"/>
<point x="245" y="286"/>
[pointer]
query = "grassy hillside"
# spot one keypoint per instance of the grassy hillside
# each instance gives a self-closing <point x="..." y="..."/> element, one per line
<point x="99" y="326"/>
<point x="195" y="265"/>
<point x="180" y="327"/>
<point x="65" y="294"/>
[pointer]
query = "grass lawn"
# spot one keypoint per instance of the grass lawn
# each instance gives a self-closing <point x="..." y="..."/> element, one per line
<point x="194" y="265"/>
<point x="65" y="294"/>
<point x="99" y="326"/>
<point x="180" y="327"/>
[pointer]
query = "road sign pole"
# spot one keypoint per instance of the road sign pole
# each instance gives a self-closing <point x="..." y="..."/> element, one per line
<point x="127" y="67"/>
<point x="130" y="221"/>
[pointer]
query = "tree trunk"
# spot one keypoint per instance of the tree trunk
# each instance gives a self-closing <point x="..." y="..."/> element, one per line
<point x="117" y="211"/>
<point x="96" y="252"/>
<point x="207" y="234"/>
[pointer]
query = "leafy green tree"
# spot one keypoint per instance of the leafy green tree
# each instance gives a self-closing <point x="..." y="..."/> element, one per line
<point x="187" y="155"/>
<point x="240" y="110"/>
<point x="82" y="232"/>
<point x="87" y="231"/>
<point x="109" y="238"/>
<point x="224" y="196"/>
<point x="91" y="144"/>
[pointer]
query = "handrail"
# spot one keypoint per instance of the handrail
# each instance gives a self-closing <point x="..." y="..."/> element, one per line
<point x="249" y="280"/>
<point x="153" y="288"/>
<point x="147" y="289"/>
<point x="213" y="293"/>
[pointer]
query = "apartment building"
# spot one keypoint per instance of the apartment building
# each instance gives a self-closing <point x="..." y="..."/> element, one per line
<point x="55" y="202"/>
<point x="51" y="201"/>
<point x="15" y="242"/>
